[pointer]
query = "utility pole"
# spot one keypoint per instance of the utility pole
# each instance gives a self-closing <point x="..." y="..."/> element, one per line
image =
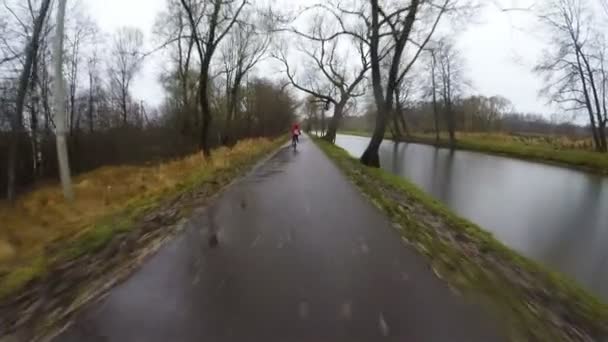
<point x="60" y="111"/>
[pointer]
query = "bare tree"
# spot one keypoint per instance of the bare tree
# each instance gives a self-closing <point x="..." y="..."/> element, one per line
<point x="44" y="84"/>
<point x="405" y="96"/>
<point x="126" y="58"/>
<point x="332" y="77"/>
<point x="93" y="78"/>
<point x="36" y="92"/>
<point x="574" y="70"/>
<point x="173" y="29"/>
<point x="604" y="4"/>
<point x="31" y="52"/>
<point x="4" y="56"/>
<point x="210" y="21"/>
<point x="246" y="46"/>
<point x="451" y="81"/>
<point x="484" y="113"/>
<point x="432" y="91"/>
<point x="312" y="107"/>
<point x="391" y="30"/>
<point x="81" y="36"/>
<point x="10" y="51"/>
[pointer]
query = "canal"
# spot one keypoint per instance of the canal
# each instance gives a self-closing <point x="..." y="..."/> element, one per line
<point x="557" y="216"/>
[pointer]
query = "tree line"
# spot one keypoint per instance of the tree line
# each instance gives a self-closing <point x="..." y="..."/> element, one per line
<point x="408" y="64"/>
<point x="475" y="114"/>
<point x="207" y="78"/>
<point x="574" y="67"/>
<point x="354" y="46"/>
<point x="400" y="56"/>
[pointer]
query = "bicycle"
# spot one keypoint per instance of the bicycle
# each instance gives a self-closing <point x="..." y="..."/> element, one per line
<point x="294" y="142"/>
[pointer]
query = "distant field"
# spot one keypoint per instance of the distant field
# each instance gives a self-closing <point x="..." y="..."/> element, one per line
<point x="540" y="140"/>
<point x="561" y="150"/>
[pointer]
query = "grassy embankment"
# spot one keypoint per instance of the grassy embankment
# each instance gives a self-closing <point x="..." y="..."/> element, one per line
<point x="537" y="304"/>
<point x="41" y="229"/>
<point x="548" y="149"/>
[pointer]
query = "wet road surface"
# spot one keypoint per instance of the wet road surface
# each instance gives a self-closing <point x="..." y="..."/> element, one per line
<point x="302" y="256"/>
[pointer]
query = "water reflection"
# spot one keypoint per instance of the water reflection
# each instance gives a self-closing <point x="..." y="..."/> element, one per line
<point x="555" y="215"/>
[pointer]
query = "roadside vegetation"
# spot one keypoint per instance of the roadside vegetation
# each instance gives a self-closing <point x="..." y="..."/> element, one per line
<point x="42" y="230"/>
<point x="560" y="150"/>
<point x="127" y="156"/>
<point x="537" y="304"/>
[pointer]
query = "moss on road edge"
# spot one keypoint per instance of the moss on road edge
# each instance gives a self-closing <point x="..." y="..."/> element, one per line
<point x="537" y="304"/>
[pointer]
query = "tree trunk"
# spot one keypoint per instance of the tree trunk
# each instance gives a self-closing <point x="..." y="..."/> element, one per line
<point x="205" y="56"/>
<point x="436" y="120"/>
<point x="315" y="123"/>
<point x="60" y="112"/>
<point x="90" y="106"/>
<point x="370" y="157"/>
<point x="393" y="131"/>
<point x="598" y="110"/>
<point x="449" y="118"/>
<point x="588" y="105"/>
<point x="73" y="91"/>
<point x="206" y="111"/>
<point x="602" y="136"/>
<point x="72" y="109"/>
<point x="335" y="121"/>
<point x="448" y="105"/>
<point x="396" y="130"/>
<point x="406" y="129"/>
<point x="451" y="128"/>
<point x="17" y="120"/>
<point x="435" y="109"/>
<point x="323" y="122"/>
<point x="44" y="89"/>
<point x="396" y="114"/>
<point x="385" y="104"/>
<point x="123" y="105"/>
<point x="229" y="138"/>
<point x="34" y="119"/>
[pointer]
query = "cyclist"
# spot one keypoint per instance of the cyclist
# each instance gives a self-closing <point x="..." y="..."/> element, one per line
<point x="295" y="133"/>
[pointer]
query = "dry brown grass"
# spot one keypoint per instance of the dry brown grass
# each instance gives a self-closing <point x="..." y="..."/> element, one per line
<point x="42" y="217"/>
<point x="555" y="142"/>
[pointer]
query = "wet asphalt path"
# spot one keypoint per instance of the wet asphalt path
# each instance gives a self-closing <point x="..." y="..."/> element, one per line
<point x="302" y="256"/>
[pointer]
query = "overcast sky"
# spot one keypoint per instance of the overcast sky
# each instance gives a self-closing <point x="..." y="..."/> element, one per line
<point x="499" y="48"/>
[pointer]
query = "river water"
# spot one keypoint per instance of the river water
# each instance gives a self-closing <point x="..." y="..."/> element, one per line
<point x="554" y="215"/>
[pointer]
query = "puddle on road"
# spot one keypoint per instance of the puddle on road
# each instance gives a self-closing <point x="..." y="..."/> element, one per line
<point x="274" y="166"/>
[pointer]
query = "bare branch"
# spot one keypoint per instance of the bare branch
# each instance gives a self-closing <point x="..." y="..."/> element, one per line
<point x="232" y="21"/>
<point x="422" y="46"/>
<point x="280" y="56"/>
